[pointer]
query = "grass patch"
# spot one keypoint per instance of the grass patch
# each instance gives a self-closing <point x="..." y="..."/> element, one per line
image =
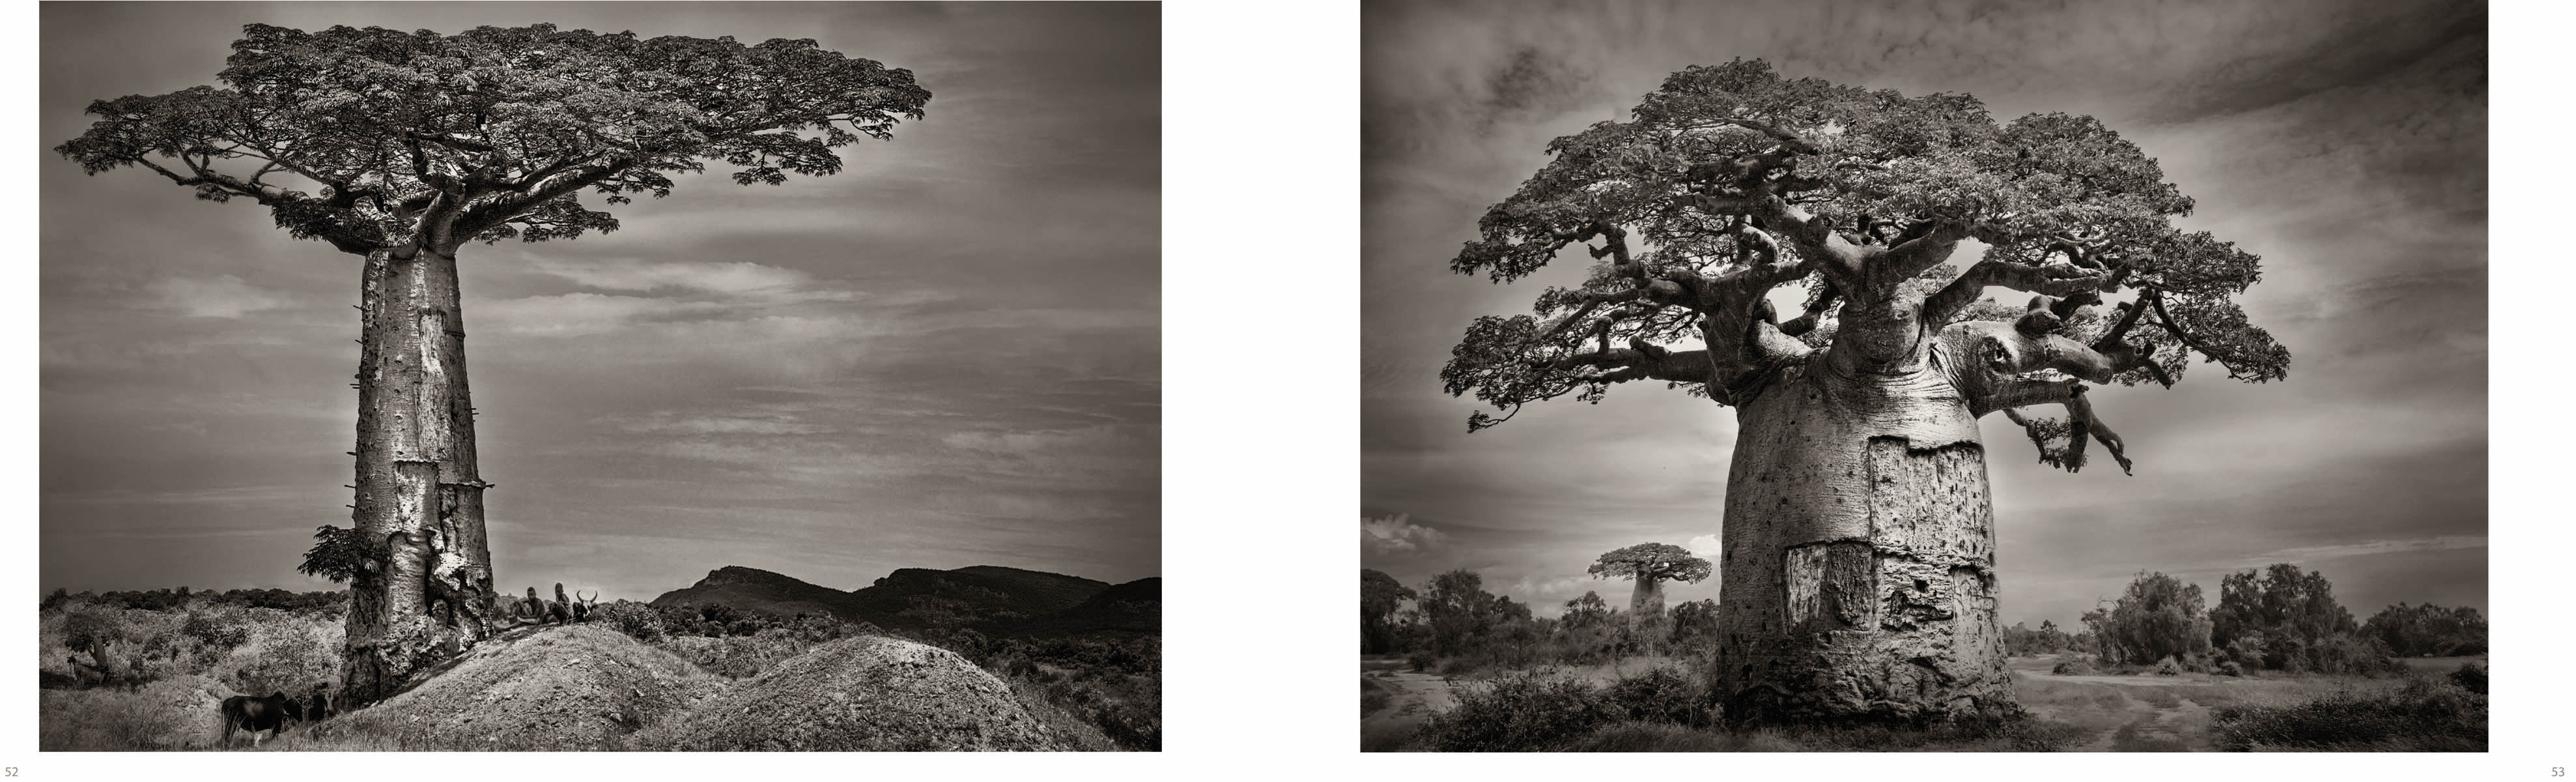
<point x="2424" y="715"/>
<point x="2077" y="696"/>
<point x="2129" y="739"/>
<point x="1389" y="737"/>
<point x="1373" y="696"/>
<point x="1659" y="737"/>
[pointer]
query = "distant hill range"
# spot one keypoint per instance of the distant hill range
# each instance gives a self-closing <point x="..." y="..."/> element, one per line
<point x="996" y="601"/>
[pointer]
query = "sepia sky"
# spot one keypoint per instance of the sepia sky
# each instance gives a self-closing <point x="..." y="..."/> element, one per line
<point x="2344" y="142"/>
<point x="946" y="355"/>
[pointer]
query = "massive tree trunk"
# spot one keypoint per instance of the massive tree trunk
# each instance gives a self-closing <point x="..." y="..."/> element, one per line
<point x="1858" y="570"/>
<point x="424" y="595"/>
<point x="1646" y="611"/>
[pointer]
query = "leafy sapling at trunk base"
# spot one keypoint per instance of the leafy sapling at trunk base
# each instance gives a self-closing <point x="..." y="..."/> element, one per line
<point x="1857" y="578"/>
<point x="414" y="144"/>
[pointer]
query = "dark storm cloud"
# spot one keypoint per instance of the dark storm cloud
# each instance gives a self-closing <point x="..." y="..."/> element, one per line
<point x="2343" y="142"/>
<point x="947" y="355"/>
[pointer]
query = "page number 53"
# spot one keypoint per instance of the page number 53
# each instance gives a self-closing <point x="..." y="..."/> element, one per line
<point x="2555" y="771"/>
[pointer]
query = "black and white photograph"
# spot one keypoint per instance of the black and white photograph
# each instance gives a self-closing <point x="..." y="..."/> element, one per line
<point x="816" y="397"/>
<point x="1960" y="376"/>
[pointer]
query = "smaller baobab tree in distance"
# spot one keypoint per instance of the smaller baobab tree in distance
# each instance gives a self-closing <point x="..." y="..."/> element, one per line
<point x="1650" y="564"/>
<point x="399" y="148"/>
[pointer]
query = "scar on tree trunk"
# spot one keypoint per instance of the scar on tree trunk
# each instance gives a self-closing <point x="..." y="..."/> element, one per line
<point x="1859" y="580"/>
<point x="418" y="491"/>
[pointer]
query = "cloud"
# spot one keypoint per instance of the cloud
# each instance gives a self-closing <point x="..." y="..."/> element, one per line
<point x="627" y="274"/>
<point x="1705" y="546"/>
<point x="1546" y="591"/>
<point x="577" y="314"/>
<point x="225" y="296"/>
<point x="2309" y="554"/>
<point x="1397" y="534"/>
<point x="666" y="422"/>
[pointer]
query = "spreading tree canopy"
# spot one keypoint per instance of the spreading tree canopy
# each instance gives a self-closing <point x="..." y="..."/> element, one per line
<point x="1652" y="562"/>
<point x="2159" y="616"/>
<point x="493" y="133"/>
<point x="2277" y="602"/>
<point x="1730" y="181"/>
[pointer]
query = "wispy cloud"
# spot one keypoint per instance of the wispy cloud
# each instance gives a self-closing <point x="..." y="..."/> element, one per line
<point x="221" y="296"/>
<point x="1397" y="535"/>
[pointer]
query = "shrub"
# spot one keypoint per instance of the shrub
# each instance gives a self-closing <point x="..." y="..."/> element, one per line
<point x="2075" y="666"/>
<point x="2428" y="630"/>
<point x="284" y="655"/>
<point x="2423" y="715"/>
<point x="224" y="632"/>
<point x="1421" y="660"/>
<point x="1663" y="695"/>
<point x="90" y="631"/>
<point x="2350" y="653"/>
<point x="1519" y="713"/>
<point x="2471" y="677"/>
<point x="2230" y="668"/>
<point x="2159" y="616"/>
<point x="2167" y="667"/>
<point x="635" y="619"/>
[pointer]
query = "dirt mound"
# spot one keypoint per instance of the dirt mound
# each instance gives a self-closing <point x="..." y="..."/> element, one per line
<point x="556" y="688"/>
<point x="855" y="694"/>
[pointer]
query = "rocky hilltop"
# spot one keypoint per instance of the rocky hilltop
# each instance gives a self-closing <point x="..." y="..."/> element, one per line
<point x="997" y="601"/>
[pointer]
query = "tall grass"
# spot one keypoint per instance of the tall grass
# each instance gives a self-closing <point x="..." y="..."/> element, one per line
<point x="2424" y="715"/>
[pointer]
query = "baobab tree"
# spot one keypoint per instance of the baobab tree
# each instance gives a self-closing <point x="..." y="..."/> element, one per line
<point x="1650" y="564"/>
<point x="1858" y="538"/>
<point x="399" y="148"/>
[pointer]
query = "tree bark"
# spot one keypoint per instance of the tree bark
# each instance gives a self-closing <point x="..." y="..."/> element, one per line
<point x="1646" y="612"/>
<point x="427" y="591"/>
<point x="1858" y="566"/>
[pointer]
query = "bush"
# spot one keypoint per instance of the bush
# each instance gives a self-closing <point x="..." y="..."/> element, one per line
<point x="90" y="631"/>
<point x="1663" y="695"/>
<point x="2350" y="653"/>
<point x="2425" y="715"/>
<point x="2158" y="616"/>
<point x="1521" y="712"/>
<point x="284" y="656"/>
<point x="635" y="619"/>
<point x="223" y="632"/>
<point x="2167" y="667"/>
<point x="2075" y="666"/>
<point x="2471" y="677"/>
<point x="2416" y="631"/>
<point x="2230" y="668"/>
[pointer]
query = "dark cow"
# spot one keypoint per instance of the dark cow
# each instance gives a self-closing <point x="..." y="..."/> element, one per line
<point x="319" y="708"/>
<point x="269" y="714"/>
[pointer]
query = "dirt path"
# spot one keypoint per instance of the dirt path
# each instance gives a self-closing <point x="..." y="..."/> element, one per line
<point x="1415" y="695"/>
